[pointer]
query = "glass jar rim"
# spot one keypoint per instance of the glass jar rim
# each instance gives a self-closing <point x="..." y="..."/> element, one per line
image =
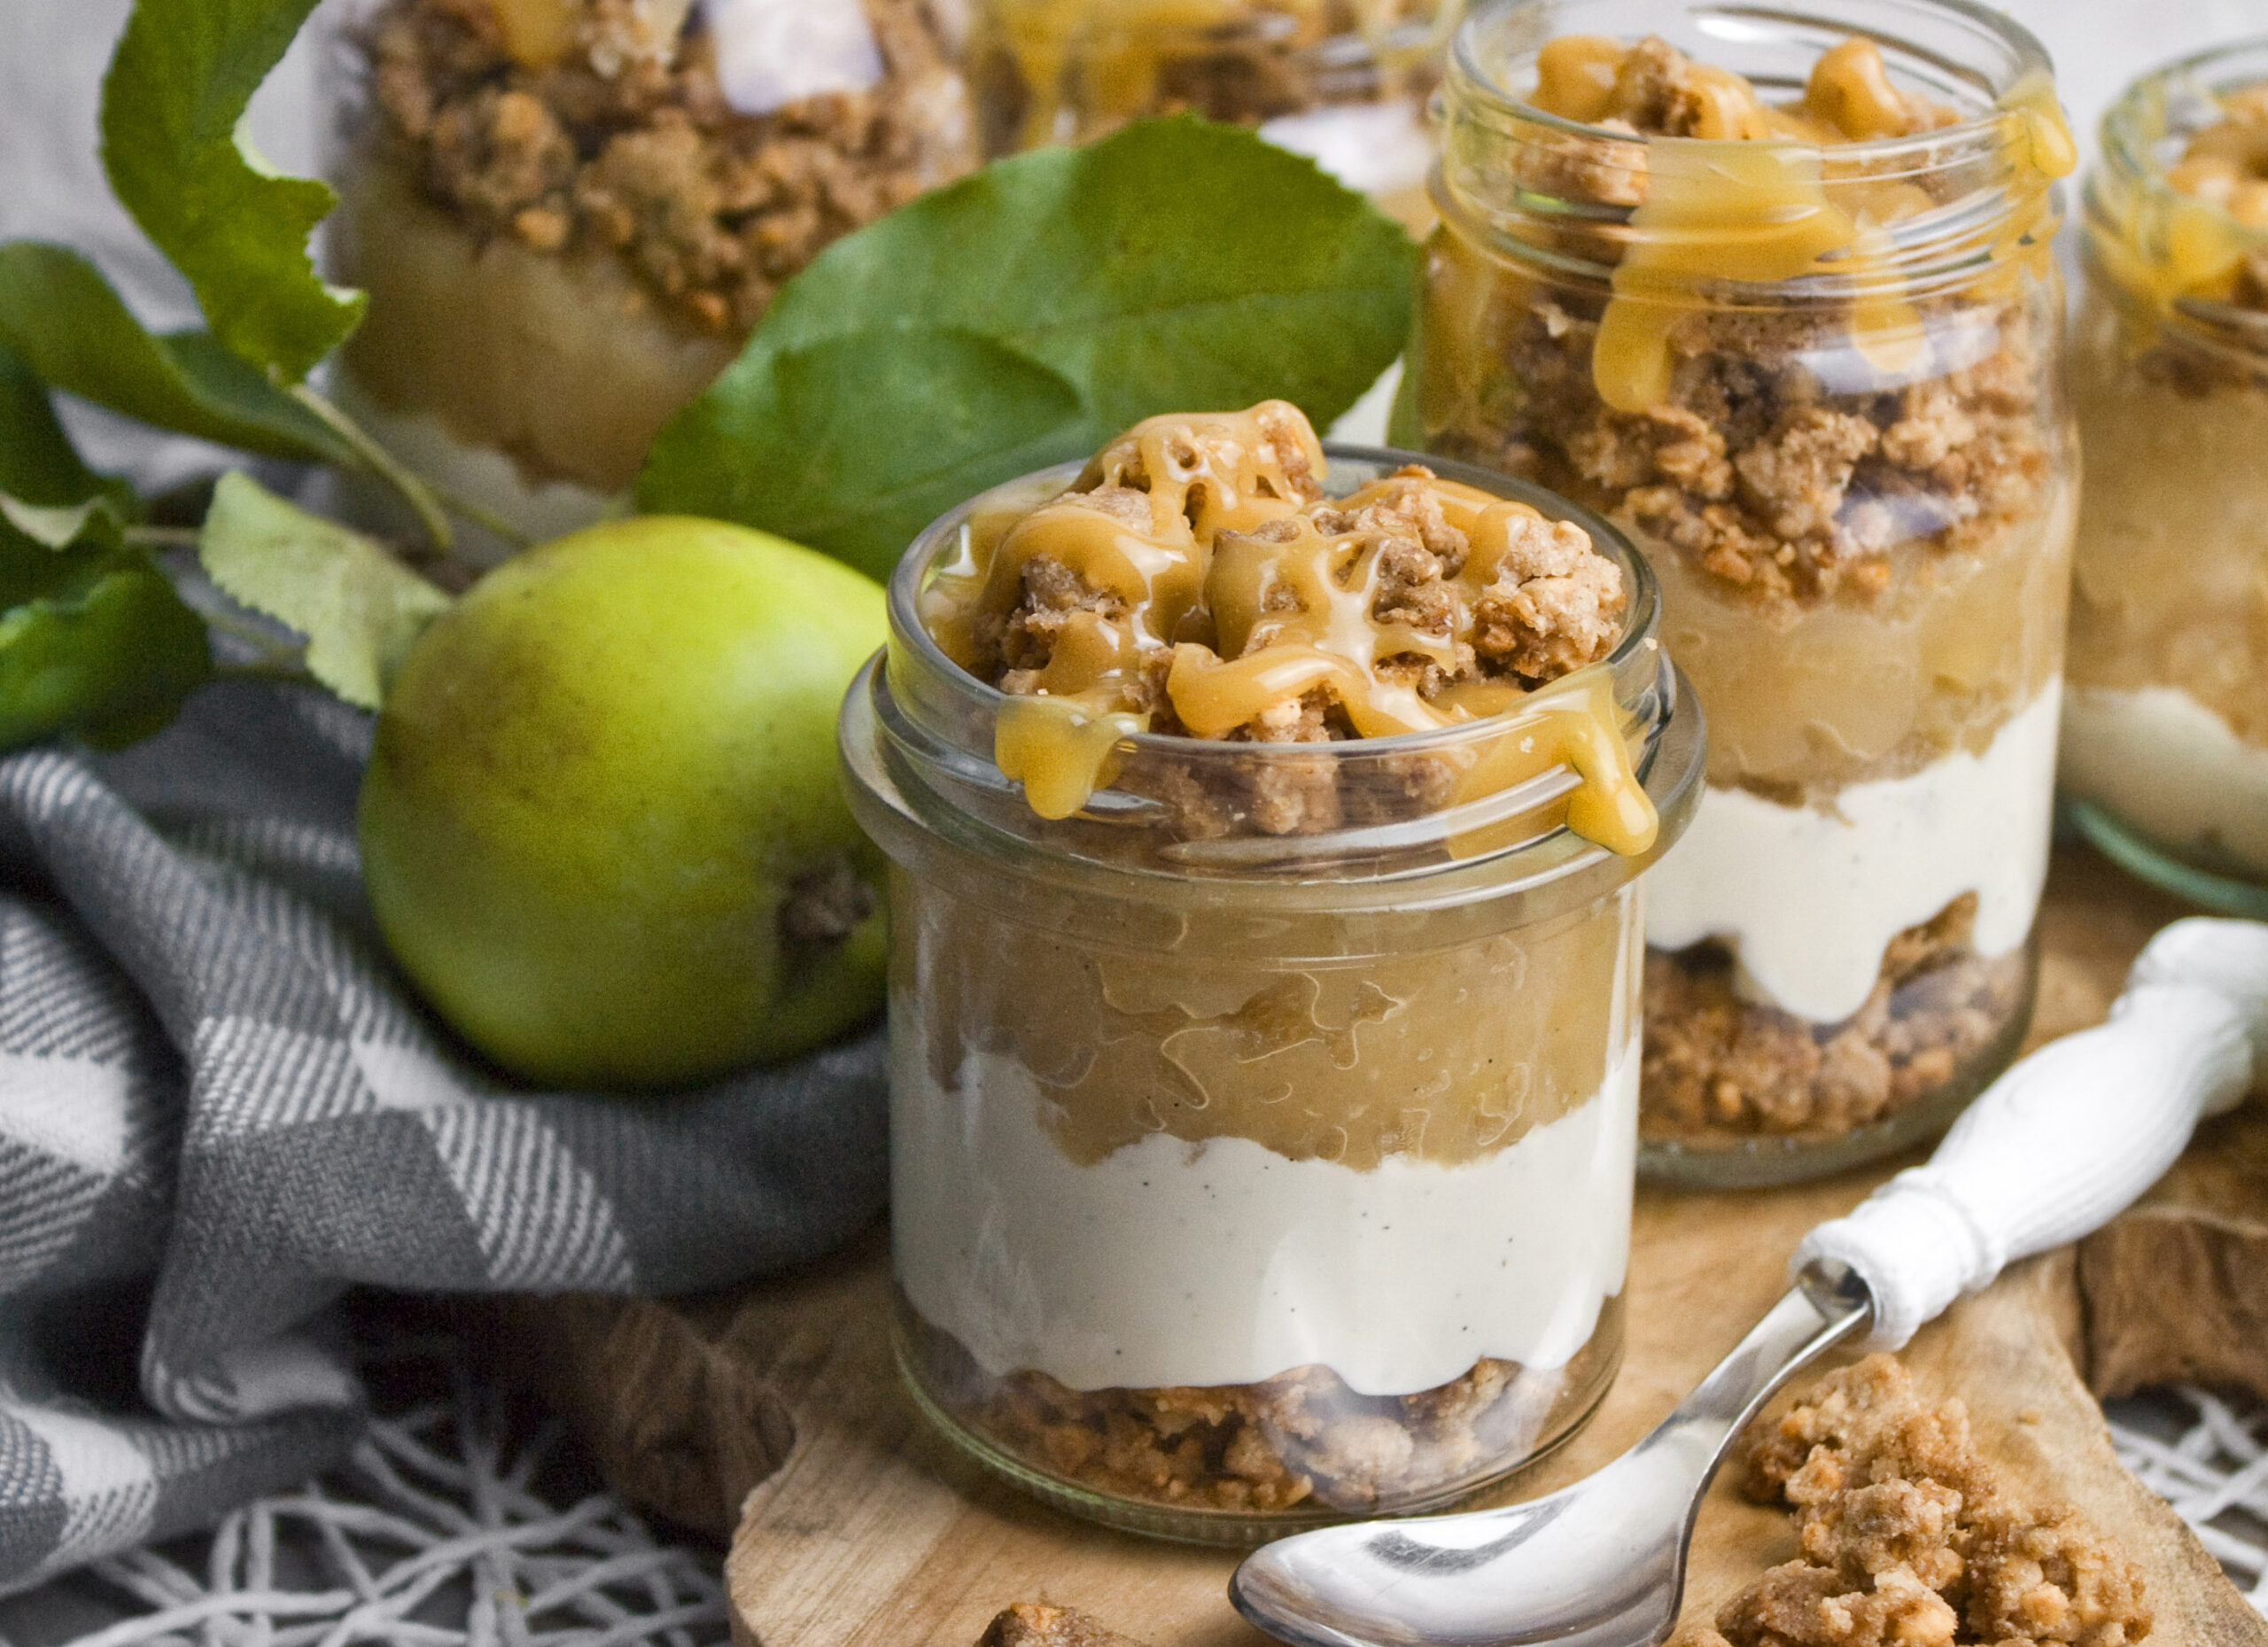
<point x="933" y="715"/>
<point x="2029" y="57"/>
<point x="2129" y="194"/>
<point x="1478" y="187"/>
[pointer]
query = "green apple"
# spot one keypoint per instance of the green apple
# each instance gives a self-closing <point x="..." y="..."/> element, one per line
<point x="601" y="828"/>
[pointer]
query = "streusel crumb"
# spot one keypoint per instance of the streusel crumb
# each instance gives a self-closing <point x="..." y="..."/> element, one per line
<point x="1907" y="1540"/>
<point x="627" y="145"/>
<point x="1038" y="1624"/>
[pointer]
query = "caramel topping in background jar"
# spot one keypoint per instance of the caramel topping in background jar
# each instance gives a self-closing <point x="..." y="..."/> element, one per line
<point x="1263" y="1124"/>
<point x="2165" y="733"/>
<point x="1344" y="81"/>
<point x="1782" y="307"/>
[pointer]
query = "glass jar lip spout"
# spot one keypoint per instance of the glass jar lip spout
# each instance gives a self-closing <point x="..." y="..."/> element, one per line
<point x="919" y="735"/>
<point x="1992" y="172"/>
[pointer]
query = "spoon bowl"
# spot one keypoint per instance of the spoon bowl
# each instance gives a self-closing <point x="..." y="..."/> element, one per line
<point x="1600" y="1564"/>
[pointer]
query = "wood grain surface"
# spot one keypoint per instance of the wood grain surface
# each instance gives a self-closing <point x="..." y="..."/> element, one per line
<point x="775" y="1411"/>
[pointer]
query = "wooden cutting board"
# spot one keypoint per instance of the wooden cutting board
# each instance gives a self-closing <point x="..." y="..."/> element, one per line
<point x="774" y="1410"/>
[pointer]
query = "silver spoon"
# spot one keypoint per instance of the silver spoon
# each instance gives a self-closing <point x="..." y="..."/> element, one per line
<point x="2055" y="1148"/>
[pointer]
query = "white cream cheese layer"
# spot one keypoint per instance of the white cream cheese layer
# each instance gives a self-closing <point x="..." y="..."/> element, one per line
<point x="2171" y="768"/>
<point x="1168" y="1262"/>
<point x="1809" y="899"/>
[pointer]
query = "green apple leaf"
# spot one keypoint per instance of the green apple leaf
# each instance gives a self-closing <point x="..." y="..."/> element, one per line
<point x="963" y="414"/>
<point x="38" y="466"/>
<point x="1177" y="265"/>
<point x="173" y="104"/>
<point x="74" y="332"/>
<point x="61" y="525"/>
<point x="360" y="608"/>
<point x="93" y="642"/>
<point x="93" y="639"/>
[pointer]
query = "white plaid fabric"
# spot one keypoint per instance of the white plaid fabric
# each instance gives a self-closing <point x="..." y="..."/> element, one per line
<point x="219" y="1109"/>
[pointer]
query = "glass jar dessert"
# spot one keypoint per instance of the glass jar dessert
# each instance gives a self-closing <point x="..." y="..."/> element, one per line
<point x="569" y="213"/>
<point x="2165" y="725"/>
<point x="1343" y="81"/>
<point x="1264" y="1052"/>
<point x="1775" y="297"/>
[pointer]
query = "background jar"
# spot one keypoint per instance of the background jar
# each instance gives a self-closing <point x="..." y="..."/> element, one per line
<point x="568" y="216"/>
<point x="2165" y="731"/>
<point x="1242" y="1181"/>
<point x="1851" y="466"/>
<point x="1342" y="80"/>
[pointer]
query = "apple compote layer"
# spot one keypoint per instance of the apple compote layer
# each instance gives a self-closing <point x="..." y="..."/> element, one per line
<point x="2166" y="723"/>
<point x="1263" y="1138"/>
<point x="569" y="213"/>
<point x="1226" y="1233"/>
<point x="1860" y="513"/>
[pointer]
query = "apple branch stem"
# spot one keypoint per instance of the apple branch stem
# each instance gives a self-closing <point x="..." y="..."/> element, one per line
<point x="162" y="536"/>
<point x="423" y="501"/>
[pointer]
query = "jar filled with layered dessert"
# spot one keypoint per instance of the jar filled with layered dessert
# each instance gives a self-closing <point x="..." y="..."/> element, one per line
<point x="570" y="213"/>
<point x="1773" y="294"/>
<point x="1343" y="81"/>
<point x="1266" y="828"/>
<point x="2165" y="728"/>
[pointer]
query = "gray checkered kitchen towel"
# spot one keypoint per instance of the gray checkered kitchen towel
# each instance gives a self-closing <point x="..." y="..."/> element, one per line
<point x="219" y="1109"/>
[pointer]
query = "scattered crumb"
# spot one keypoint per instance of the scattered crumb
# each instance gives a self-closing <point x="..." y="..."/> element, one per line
<point x="1907" y="1540"/>
<point x="1039" y="1624"/>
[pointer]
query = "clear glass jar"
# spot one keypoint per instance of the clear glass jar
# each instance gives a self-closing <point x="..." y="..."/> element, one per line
<point x="1242" y="1181"/>
<point x="1344" y="81"/>
<point x="1818" y="383"/>
<point x="569" y="213"/>
<point x="2165" y="727"/>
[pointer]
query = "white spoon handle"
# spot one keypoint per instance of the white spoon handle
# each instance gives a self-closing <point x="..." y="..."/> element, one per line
<point x="2070" y="1137"/>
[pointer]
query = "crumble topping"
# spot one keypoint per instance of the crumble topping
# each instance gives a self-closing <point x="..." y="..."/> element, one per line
<point x="1908" y="1539"/>
<point x="597" y="127"/>
<point x="1780" y="458"/>
<point x="1718" y="1069"/>
<point x="1247" y="554"/>
<point x="2226" y="165"/>
<point x="1195" y="581"/>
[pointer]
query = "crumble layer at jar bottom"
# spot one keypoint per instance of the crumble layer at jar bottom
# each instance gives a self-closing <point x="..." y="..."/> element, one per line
<point x="1829" y="982"/>
<point x="1213" y="1327"/>
<point x="1739" y="1093"/>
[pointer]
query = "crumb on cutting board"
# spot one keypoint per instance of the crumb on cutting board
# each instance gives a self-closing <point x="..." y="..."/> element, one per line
<point x="1907" y="1540"/>
<point x="1039" y="1624"/>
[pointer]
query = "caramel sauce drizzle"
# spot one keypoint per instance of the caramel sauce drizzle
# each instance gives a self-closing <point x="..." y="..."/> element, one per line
<point x="1250" y="605"/>
<point x="2193" y="244"/>
<point x="1745" y="197"/>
